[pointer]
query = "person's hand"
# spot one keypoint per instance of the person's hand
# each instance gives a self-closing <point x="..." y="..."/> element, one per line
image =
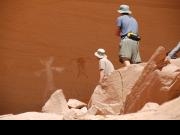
<point x="167" y="60"/>
<point x="164" y="63"/>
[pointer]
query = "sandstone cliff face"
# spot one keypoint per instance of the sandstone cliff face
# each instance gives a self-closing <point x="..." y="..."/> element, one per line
<point x="70" y="31"/>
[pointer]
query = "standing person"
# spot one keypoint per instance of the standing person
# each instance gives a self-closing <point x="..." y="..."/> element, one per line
<point x="105" y="65"/>
<point x="128" y="31"/>
<point x="173" y="52"/>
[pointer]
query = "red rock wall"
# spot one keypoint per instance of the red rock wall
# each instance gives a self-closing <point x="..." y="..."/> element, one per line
<point x="70" y="31"/>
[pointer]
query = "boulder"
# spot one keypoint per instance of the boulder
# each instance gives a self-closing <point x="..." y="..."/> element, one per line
<point x="167" y="111"/>
<point x="56" y="104"/>
<point x="74" y="114"/>
<point x="151" y="111"/>
<point x="158" y="83"/>
<point x="175" y="62"/>
<point x="109" y="98"/>
<point x="150" y="107"/>
<point x="74" y="103"/>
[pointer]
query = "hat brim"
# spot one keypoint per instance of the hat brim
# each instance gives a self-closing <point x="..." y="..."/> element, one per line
<point x="99" y="56"/>
<point x="123" y="12"/>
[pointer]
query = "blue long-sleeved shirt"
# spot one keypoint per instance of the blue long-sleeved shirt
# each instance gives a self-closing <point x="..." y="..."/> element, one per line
<point x="174" y="52"/>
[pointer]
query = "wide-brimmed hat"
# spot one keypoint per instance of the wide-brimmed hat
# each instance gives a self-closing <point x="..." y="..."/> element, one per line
<point x="124" y="9"/>
<point x="100" y="53"/>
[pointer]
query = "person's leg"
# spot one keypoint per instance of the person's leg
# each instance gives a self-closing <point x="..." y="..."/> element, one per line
<point x="127" y="63"/>
<point x="135" y="53"/>
<point x="173" y="52"/>
<point x="125" y="52"/>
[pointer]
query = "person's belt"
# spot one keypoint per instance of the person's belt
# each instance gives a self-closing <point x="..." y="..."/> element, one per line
<point x="132" y="36"/>
<point x="123" y="36"/>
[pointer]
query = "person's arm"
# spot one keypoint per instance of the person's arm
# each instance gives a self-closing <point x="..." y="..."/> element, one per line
<point x="174" y="51"/>
<point x="102" y="66"/>
<point x="118" y="23"/>
<point x="102" y="74"/>
<point x="118" y="31"/>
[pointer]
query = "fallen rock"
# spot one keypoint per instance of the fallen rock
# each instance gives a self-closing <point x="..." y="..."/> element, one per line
<point x="171" y="109"/>
<point x="167" y="111"/>
<point x="74" y="103"/>
<point x="74" y="114"/>
<point x="175" y="62"/>
<point x="109" y="98"/>
<point x="150" y="107"/>
<point x="157" y="83"/>
<point x="32" y="116"/>
<point x="56" y="104"/>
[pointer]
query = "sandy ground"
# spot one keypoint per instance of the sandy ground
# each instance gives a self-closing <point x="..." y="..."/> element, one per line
<point x="50" y="44"/>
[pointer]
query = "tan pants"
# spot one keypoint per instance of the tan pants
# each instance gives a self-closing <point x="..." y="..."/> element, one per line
<point x="129" y="50"/>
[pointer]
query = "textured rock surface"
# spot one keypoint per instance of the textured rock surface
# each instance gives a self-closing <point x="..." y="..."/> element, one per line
<point x="127" y="90"/>
<point x="56" y="104"/>
<point x="33" y="116"/>
<point x="74" y="114"/>
<point x="150" y="107"/>
<point x="111" y="96"/>
<point x="156" y="84"/>
<point x="175" y="62"/>
<point x="142" y="88"/>
<point x="151" y="111"/>
<point x="167" y="111"/>
<point x="74" y="103"/>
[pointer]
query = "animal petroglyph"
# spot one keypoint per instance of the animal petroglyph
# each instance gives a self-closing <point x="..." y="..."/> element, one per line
<point x="81" y="63"/>
<point x="48" y="71"/>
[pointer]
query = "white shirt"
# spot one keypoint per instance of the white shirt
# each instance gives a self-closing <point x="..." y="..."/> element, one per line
<point x="106" y="65"/>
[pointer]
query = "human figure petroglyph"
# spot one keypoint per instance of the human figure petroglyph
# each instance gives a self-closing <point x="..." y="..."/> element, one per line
<point x="50" y="86"/>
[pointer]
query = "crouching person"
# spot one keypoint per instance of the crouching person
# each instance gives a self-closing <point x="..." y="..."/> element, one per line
<point x="102" y="101"/>
<point x="105" y="66"/>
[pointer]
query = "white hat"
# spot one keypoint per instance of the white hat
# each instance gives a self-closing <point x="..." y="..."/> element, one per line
<point x="100" y="53"/>
<point x="124" y="9"/>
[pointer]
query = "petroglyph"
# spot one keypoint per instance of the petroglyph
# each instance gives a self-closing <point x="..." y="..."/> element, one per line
<point x="48" y="71"/>
<point x="81" y="63"/>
